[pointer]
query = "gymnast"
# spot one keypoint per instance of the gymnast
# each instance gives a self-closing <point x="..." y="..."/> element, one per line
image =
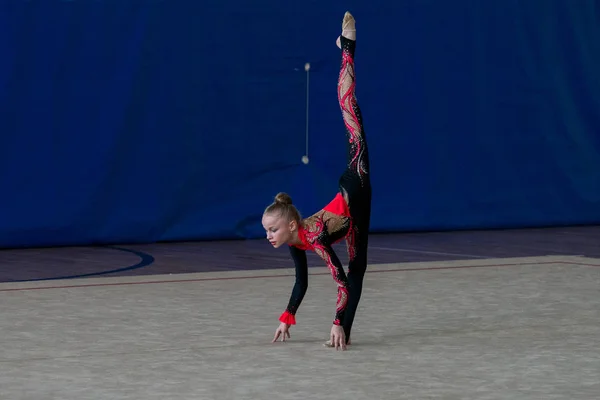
<point x="347" y="216"/>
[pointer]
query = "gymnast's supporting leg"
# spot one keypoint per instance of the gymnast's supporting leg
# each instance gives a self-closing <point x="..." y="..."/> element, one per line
<point x="355" y="183"/>
<point x="356" y="273"/>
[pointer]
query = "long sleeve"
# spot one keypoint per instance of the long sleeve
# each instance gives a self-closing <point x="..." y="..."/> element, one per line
<point x="300" y="286"/>
<point x="325" y="251"/>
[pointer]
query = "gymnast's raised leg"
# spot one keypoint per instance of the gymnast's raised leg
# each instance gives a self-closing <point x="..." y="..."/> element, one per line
<point x="355" y="183"/>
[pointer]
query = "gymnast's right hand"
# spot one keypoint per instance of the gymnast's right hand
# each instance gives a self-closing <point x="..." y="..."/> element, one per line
<point x="283" y="330"/>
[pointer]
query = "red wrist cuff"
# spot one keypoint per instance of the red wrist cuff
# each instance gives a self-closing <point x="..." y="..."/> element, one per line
<point x="288" y="318"/>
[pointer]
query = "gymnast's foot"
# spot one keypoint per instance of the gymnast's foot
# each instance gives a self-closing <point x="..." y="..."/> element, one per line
<point x="348" y="28"/>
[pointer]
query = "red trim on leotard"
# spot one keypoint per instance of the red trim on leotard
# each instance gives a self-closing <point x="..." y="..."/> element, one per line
<point x="302" y="236"/>
<point x="288" y="318"/>
<point x="338" y="206"/>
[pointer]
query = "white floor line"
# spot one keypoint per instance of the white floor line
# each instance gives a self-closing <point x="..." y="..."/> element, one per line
<point x="426" y="252"/>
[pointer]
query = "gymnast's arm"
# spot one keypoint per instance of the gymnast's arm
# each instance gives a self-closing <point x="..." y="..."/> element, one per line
<point x="326" y="252"/>
<point x="300" y="287"/>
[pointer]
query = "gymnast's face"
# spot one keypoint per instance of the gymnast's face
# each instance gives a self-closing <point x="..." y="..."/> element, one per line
<point x="279" y="230"/>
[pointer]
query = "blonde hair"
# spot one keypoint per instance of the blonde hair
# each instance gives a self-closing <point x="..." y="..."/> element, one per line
<point x="284" y="207"/>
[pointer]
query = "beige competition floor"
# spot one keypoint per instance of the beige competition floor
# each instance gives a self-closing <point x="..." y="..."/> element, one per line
<point x="511" y="328"/>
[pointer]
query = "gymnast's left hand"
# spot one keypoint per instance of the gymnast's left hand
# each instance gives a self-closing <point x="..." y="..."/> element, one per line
<point x="283" y="331"/>
<point x="338" y="337"/>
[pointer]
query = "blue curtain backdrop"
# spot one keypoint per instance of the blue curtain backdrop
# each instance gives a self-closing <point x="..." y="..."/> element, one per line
<point x="139" y="121"/>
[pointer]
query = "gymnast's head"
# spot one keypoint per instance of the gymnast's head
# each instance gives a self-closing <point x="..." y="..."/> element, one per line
<point x="281" y="220"/>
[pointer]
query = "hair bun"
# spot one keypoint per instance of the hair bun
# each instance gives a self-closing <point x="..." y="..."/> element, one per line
<point x="283" y="198"/>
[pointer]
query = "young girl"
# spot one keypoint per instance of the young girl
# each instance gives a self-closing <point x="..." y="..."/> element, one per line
<point x="347" y="216"/>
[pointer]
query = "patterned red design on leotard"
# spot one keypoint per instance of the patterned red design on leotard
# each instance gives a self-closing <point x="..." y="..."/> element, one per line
<point x="339" y="206"/>
<point x="318" y="233"/>
<point x="346" y="216"/>
<point x="348" y="104"/>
